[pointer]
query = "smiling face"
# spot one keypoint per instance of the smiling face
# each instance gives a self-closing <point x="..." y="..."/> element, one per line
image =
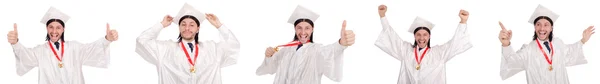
<point x="543" y="28"/>
<point x="55" y="29"/>
<point x="422" y="35"/>
<point x="303" y="31"/>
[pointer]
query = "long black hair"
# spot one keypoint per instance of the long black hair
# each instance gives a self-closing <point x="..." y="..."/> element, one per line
<point x="307" y="21"/>
<point x="62" y="36"/>
<point x="428" y="31"/>
<point x="535" y="36"/>
<point x="197" y="23"/>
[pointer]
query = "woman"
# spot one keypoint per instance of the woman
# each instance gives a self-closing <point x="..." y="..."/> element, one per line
<point x="188" y="61"/>
<point x="425" y="65"/>
<point x="544" y="64"/>
<point x="60" y="61"/>
<point x="303" y="61"/>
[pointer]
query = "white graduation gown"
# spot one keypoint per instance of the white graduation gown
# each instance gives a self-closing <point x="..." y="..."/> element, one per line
<point x="433" y="65"/>
<point x="306" y="65"/>
<point x="76" y="54"/>
<point x="532" y="60"/>
<point x="172" y="64"/>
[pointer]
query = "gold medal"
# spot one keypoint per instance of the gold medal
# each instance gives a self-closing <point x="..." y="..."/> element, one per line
<point x="60" y="64"/>
<point x="418" y="66"/>
<point x="276" y="49"/>
<point x="193" y="70"/>
<point x="550" y="68"/>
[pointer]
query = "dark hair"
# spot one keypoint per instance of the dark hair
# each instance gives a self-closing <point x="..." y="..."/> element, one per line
<point x="307" y="21"/>
<point x="428" y="31"/>
<point x="62" y="36"/>
<point x="197" y="23"/>
<point x="551" y="24"/>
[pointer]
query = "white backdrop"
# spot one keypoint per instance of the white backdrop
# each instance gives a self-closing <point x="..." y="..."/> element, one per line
<point x="262" y="23"/>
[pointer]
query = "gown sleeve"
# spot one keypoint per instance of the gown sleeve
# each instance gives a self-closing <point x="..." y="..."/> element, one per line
<point x="331" y="62"/>
<point x="149" y="47"/>
<point x="95" y="54"/>
<point x="389" y="42"/>
<point x="228" y="49"/>
<point x="25" y="58"/>
<point x="513" y="62"/>
<point x="574" y="54"/>
<point x="459" y="43"/>
<point x="271" y="64"/>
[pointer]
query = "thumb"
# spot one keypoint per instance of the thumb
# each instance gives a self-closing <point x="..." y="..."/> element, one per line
<point x="15" y="27"/>
<point x="344" y="26"/>
<point x="107" y="27"/>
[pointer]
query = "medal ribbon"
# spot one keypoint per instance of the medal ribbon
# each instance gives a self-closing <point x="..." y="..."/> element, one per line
<point x="422" y="55"/>
<point x="544" y="52"/>
<point x="188" y="55"/>
<point x="62" y="50"/>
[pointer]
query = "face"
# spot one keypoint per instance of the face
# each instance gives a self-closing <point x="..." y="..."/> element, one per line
<point x="303" y="31"/>
<point x="55" y="30"/>
<point x="543" y="29"/>
<point x="188" y="29"/>
<point x="422" y="37"/>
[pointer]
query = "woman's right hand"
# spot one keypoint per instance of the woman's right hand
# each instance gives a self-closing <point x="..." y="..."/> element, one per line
<point x="269" y="52"/>
<point x="167" y="20"/>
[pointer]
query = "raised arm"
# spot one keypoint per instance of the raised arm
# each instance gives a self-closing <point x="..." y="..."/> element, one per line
<point x="575" y="51"/>
<point x="148" y="47"/>
<point x="229" y="47"/>
<point x="25" y="57"/>
<point x="97" y="54"/>
<point x="460" y="42"/>
<point x="512" y="62"/>
<point x="388" y="41"/>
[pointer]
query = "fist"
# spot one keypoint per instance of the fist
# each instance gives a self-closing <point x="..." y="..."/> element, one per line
<point x="269" y="52"/>
<point x="13" y="36"/>
<point x="464" y="16"/>
<point x="167" y="20"/>
<point x="382" y="9"/>
<point x="505" y="35"/>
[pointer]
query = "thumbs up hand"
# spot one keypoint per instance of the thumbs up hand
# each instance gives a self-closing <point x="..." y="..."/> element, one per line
<point x="111" y="35"/>
<point x="13" y="36"/>
<point x="347" y="36"/>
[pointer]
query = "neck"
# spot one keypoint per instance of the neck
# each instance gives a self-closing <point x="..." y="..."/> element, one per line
<point x="189" y="40"/>
<point x="423" y="46"/>
<point x="543" y="39"/>
<point x="54" y="41"/>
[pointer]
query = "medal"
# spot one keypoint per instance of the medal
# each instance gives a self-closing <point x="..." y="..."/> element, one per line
<point x="548" y="59"/>
<point x="417" y="57"/>
<point x="60" y="64"/>
<point x="192" y="68"/>
<point x="62" y="52"/>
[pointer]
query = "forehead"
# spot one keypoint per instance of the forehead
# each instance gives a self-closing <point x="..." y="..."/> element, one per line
<point x="303" y="24"/>
<point x="542" y="21"/>
<point x="55" y="24"/>
<point x="188" y="20"/>
<point x="422" y="31"/>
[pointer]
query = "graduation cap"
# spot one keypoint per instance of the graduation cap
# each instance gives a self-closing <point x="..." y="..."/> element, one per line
<point x="187" y="9"/>
<point x="420" y="22"/>
<point x="543" y="11"/>
<point x="303" y="13"/>
<point x="54" y="13"/>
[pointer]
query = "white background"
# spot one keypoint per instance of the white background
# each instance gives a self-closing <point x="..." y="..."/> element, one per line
<point x="262" y="23"/>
